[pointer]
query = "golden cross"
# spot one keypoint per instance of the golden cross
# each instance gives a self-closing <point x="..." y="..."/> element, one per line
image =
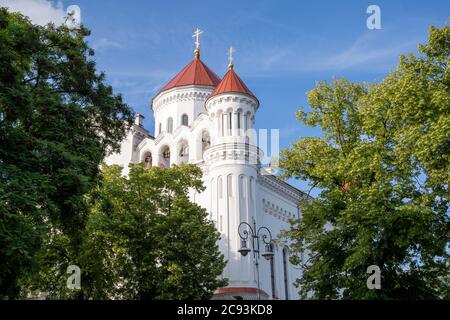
<point x="230" y="56"/>
<point x="196" y="34"/>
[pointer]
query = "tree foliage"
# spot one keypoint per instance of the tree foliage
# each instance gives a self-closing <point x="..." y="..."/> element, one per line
<point x="382" y="166"/>
<point x="58" y="120"/>
<point x="146" y="240"/>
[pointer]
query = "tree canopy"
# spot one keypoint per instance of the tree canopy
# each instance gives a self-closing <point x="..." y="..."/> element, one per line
<point x="58" y="120"/>
<point x="382" y="167"/>
<point x="146" y="240"/>
<point x="136" y="237"/>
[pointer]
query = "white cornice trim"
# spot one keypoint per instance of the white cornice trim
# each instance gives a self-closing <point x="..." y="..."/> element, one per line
<point x="232" y="97"/>
<point x="282" y="188"/>
<point x="177" y="94"/>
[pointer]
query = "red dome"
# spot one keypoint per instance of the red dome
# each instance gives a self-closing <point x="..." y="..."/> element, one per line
<point x="195" y="73"/>
<point x="231" y="83"/>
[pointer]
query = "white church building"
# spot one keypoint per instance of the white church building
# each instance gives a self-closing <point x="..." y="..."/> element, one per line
<point x="206" y="120"/>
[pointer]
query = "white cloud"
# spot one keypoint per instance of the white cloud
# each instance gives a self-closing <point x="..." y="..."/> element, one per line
<point x="372" y="51"/>
<point x="368" y="50"/>
<point x="103" y="43"/>
<point x="40" y="12"/>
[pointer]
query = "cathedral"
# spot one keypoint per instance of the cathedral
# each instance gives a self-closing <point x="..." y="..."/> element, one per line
<point x="206" y="120"/>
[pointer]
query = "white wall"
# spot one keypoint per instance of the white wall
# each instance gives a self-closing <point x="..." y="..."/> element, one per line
<point x="274" y="211"/>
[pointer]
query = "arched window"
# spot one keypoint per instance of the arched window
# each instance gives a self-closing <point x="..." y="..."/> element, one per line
<point x="184" y="150"/>
<point x="238" y="120"/>
<point x="285" y="272"/>
<point x="184" y="120"/>
<point x="148" y="160"/>
<point x="169" y="125"/>
<point x="206" y="141"/>
<point x="165" y="156"/>
<point x="230" y="120"/>
<point x="183" y="153"/>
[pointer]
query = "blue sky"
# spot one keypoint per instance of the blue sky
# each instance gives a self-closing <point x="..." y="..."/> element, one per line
<point x="282" y="47"/>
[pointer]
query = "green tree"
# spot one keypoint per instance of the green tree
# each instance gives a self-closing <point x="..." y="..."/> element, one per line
<point x="146" y="240"/>
<point x="382" y="167"/>
<point x="58" y="120"/>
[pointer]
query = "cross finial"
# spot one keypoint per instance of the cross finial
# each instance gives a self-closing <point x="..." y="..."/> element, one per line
<point x="197" y="34"/>
<point x="230" y="57"/>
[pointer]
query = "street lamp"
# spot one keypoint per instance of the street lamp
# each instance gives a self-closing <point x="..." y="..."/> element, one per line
<point x="247" y="233"/>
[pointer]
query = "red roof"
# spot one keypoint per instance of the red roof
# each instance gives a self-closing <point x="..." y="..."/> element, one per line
<point x="195" y="73"/>
<point x="231" y="83"/>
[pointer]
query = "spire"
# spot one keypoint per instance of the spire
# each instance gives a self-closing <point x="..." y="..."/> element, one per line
<point x="197" y="34"/>
<point x="230" y="57"/>
<point x="195" y="73"/>
<point x="231" y="83"/>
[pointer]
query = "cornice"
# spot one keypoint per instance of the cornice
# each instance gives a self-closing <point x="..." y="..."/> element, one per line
<point x="178" y="94"/>
<point x="282" y="188"/>
<point x="231" y="97"/>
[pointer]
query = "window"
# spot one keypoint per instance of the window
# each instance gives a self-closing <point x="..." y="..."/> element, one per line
<point x="184" y="120"/>
<point x="206" y="141"/>
<point x="285" y="271"/>
<point x="148" y="161"/>
<point x="166" y="154"/>
<point x="184" y="150"/>
<point x="169" y="125"/>
<point x="230" y="115"/>
<point x="250" y="189"/>
<point x="238" y="120"/>
<point x="160" y="128"/>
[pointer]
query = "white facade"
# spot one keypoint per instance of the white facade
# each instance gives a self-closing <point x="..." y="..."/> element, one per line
<point x="192" y="127"/>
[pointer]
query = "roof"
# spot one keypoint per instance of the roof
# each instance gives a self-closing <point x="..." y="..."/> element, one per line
<point x="232" y="83"/>
<point x="195" y="73"/>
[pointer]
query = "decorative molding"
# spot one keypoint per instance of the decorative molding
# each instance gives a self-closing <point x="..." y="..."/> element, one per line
<point x="161" y="136"/>
<point x="190" y="93"/>
<point x="239" y="152"/>
<point x="232" y="97"/>
<point x="282" y="188"/>
<point x="277" y="211"/>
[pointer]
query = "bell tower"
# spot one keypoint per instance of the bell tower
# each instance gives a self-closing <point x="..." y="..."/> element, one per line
<point x="233" y="161"/>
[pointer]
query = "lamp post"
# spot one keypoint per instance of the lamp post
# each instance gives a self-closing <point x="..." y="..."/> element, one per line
<point x="246" y="232"/>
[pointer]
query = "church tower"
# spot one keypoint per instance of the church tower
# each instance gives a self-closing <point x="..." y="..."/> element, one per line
<point x="176" y="107"/>
<point x="232" y="162"/>
<point x="208" y="121"/>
